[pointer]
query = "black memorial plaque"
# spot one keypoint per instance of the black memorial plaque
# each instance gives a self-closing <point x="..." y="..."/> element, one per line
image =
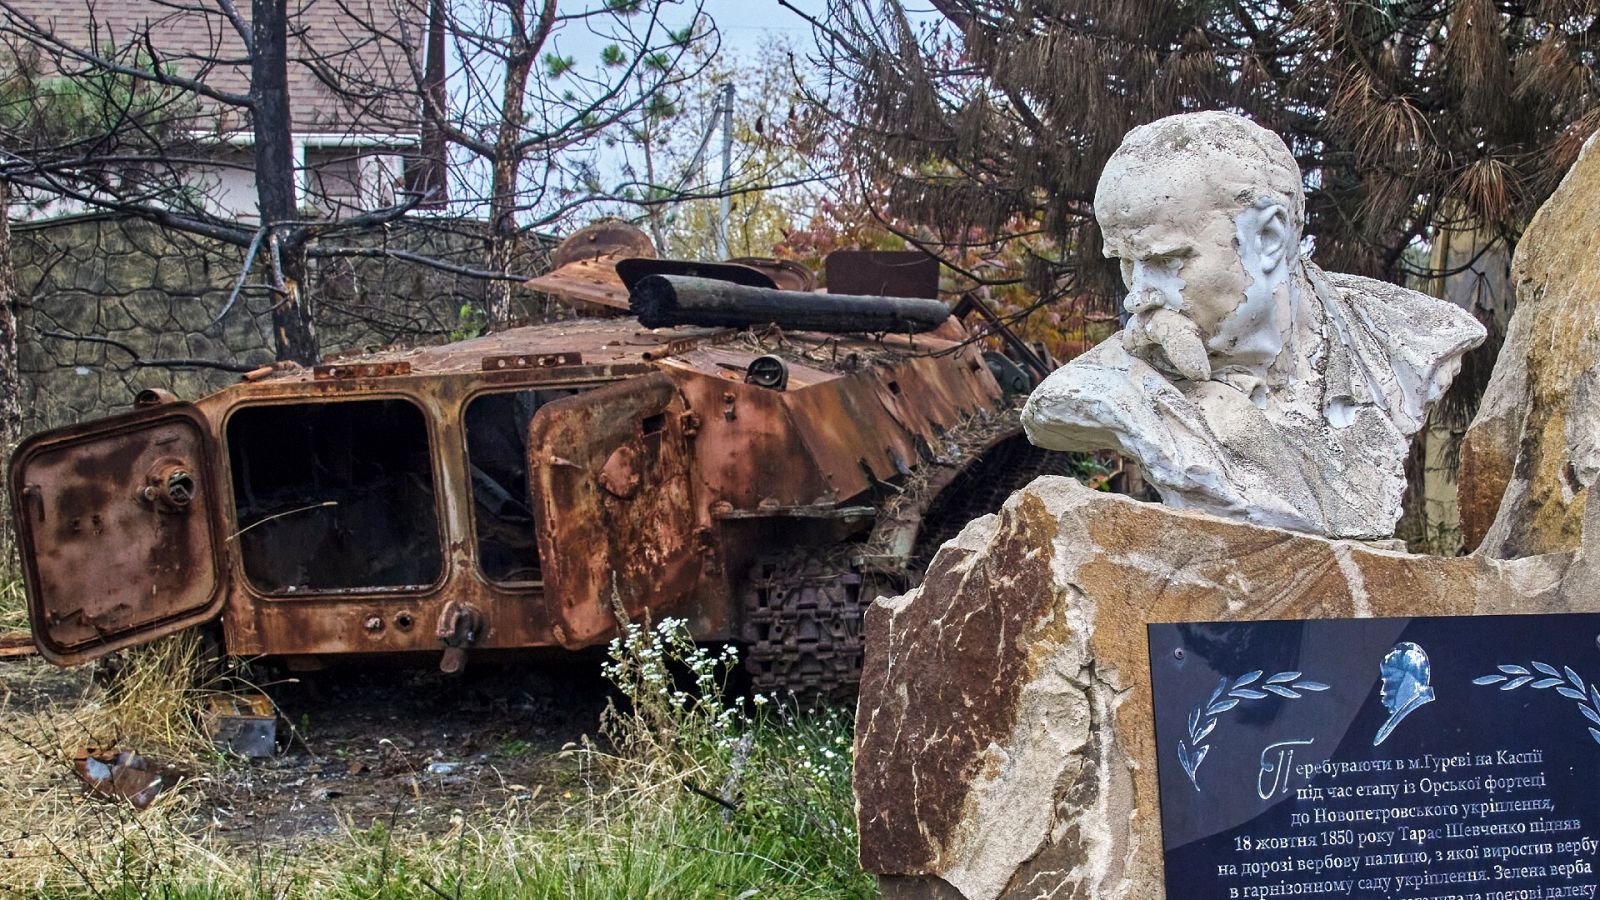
<point x="1413" y="759"/>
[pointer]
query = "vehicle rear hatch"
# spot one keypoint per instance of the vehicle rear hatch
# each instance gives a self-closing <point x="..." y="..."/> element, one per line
<point x="120" y="531"/>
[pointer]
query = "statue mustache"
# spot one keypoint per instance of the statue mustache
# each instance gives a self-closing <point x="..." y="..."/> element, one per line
<point x="1167" y="340"/>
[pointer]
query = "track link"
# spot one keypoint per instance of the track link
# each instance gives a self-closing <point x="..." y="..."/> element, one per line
<point x="982" y="490"/>
<point x="803" y="611"/>
<point x="803" y="616"/>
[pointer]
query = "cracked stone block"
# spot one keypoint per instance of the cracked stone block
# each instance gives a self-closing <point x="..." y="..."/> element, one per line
<point x="1004" y="735"/>
<point x="1533" y="450"/>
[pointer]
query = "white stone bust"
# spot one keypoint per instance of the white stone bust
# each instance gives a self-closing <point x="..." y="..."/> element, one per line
<point x="1248" y="382"/>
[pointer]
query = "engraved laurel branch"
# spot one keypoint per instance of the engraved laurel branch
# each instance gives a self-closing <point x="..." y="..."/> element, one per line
<point x="1566" y="682"/>
<point x="1203" y="719"/>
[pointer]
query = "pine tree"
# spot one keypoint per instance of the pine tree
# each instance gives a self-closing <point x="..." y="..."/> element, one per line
<point x="997" y="115"/>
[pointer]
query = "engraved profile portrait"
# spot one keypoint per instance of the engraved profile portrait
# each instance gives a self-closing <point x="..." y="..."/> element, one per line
<point x="1247" y="382"/>
<point x="1407" y="685"/>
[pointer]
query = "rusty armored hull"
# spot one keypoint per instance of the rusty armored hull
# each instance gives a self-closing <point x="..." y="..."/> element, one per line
<point x="520" y="490"/>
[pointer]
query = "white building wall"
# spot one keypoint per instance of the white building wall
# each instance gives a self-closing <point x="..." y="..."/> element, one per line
<point x="341" y="177"/>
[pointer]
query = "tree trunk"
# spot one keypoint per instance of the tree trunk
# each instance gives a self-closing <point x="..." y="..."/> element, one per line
<point x="10" y="377"/>
<point x="502" y="250"/>
<point x="294" y="327"/>
<point x="507" y="164"/>
<point x="429" y="178"/>
<point x="502" y="234"/>
<point x="652" y="211"/>
<point x="293" y="320"/>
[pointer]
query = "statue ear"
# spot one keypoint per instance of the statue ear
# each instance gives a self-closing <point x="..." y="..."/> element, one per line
<point x="1273" y="238"/>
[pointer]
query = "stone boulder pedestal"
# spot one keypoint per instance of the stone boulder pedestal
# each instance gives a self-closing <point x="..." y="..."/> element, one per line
<point x="1533" y="450"/>
<point x="1004" y="739"/>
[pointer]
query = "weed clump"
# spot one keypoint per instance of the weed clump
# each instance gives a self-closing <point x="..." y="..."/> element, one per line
<point x="687" y="794"/>
<point x="153" y="700"/>
<point x="55" y="842"/>
<point x="763" y="779"/>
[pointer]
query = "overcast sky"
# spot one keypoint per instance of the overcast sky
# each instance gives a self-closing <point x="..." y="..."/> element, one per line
<point x="744" y="25"/>
<point x="744" y="22"/>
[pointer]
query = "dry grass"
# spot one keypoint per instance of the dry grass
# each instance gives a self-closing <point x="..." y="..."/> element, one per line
<point x="52" y="838"/>
<point x="155" y="701"/>
<point x="13" y="605"/>
<point x="156" y="698"/>
<point x="633" y="831"/>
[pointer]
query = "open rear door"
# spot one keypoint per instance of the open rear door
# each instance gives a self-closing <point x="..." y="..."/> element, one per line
<point x="614" y="500"/>
<point x="119" y="527"/>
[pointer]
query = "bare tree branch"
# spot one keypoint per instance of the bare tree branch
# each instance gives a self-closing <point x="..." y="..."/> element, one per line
<point x="139" y="362"/>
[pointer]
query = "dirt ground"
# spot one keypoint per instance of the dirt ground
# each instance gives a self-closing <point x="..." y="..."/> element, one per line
<point x="393" y="746"/>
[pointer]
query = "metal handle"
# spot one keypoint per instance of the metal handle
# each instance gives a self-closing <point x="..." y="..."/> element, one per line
<point x="33" y="494"/>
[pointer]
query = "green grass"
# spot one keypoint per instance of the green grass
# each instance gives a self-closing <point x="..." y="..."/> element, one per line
<point x="516" y="749"/>
<point x="639" y="823"/>
<point x="616" y="852"/>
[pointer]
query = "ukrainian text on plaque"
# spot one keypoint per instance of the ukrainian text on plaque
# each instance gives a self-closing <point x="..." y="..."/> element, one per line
<point x="1416" y="759"/>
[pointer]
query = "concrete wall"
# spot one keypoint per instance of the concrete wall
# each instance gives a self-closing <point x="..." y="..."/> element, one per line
<point x="160" y="294"/>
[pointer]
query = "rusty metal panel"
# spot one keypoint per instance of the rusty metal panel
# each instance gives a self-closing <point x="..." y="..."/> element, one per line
<point x="571" y="374"/>
<point x="598" y="342"/>
<point x="378" y="621"/>
<point x="874" y="424"/>
<point x="531" y="361"/>
<point x="929" y="395"/>
<point x="336" y="371"/>
<point x="748" y="453"/>
<point x="589" y="285"/>
<point x="120" y="531"/>
<point x="882" y="273"/>
<point x="16" y="645"/>
<point x="585" y="274"/>
<point x="786" y="274"/>
<point x="850" y="433"/>
<point x="614" y="506"/>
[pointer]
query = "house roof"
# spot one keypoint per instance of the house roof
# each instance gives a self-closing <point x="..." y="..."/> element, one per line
<point x="359" y="43"/>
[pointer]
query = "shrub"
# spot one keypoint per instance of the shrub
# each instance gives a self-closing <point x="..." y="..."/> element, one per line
<point x="764" y="777"/>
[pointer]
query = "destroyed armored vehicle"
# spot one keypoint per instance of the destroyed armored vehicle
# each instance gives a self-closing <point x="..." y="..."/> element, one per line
<point x="524" y="489"/>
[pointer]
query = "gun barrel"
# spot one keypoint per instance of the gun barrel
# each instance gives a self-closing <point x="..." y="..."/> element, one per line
<point x="665" y="300"/>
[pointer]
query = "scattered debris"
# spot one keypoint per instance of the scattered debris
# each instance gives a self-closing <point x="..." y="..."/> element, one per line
<point x="16" y="645"/>
<point x="243" y="725"/>
<point x="121" y="775"/>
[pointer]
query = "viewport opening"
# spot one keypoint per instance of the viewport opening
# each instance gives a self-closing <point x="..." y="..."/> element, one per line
<point x="497" y="456"/>
<point x="335" y="496"/>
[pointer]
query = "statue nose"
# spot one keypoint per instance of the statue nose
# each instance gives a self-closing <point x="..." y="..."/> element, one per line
<point x="1142" y="298"/>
